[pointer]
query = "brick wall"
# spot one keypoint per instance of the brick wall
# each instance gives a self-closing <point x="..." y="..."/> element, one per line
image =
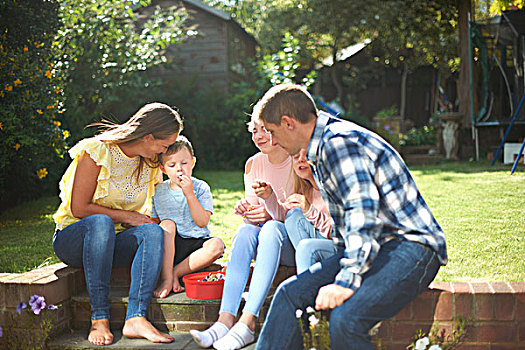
<point x="496" y="310"/>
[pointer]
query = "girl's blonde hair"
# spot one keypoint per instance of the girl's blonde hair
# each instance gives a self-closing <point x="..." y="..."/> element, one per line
<point x="302" y="186"/>
<point x="157" y="119"/>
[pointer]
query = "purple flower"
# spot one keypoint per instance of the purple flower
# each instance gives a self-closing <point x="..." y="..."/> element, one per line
<point x="37" y="304"/>
<point x="1" y="333"/>
<point x="387" y="127"/>
<point x="21" y="306"/>
<point x="52" y="307"/>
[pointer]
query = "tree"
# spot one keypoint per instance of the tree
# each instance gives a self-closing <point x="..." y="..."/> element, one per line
<point x="103" y="47"/>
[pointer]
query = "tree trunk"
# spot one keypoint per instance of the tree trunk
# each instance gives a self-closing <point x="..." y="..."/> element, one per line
<point x="464" y="8"/>
<point x="403" y="103"/>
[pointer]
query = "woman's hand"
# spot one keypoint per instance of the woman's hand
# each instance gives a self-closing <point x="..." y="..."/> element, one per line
<point x="262" y="189"/>
<point x="134" y="218"/>
<point x="297" y="201"/>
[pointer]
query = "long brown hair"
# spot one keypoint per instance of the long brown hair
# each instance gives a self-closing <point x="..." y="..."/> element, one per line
<point x="157" y="119"/>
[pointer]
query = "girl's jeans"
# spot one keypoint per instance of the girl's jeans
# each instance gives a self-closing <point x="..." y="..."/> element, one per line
<point x="310" y="246"/>
<point x="401" y="270"/>
<point x="271" y="245"/>
<point x="92" y="244"/>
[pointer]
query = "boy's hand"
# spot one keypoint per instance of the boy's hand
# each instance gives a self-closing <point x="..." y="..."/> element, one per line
<point x="262" y="189"/>
<point x="297" y="201"/>
<point x="185" y="184"/>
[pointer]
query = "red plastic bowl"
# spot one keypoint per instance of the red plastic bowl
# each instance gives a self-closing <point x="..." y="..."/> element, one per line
<point x="197" y="289"/>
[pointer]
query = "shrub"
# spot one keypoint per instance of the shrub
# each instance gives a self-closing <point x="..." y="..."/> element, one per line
<point x="32" y="140"/>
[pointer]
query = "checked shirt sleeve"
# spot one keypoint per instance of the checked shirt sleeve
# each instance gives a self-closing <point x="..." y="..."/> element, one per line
<point x="348" y="171"/>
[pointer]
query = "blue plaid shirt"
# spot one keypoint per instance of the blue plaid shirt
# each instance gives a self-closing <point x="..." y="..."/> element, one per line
<point x="370" y="194"/>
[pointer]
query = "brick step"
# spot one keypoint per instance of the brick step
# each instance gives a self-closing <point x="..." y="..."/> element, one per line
<point x="177" y="312"/>
<point x="78" y="341"/>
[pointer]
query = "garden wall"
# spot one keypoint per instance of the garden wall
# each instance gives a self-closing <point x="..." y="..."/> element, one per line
<point x="496" y="310"/>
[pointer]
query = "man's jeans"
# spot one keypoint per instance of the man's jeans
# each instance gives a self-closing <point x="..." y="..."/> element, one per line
<point x="92" y="244"/>
<point x="399" y="273"/>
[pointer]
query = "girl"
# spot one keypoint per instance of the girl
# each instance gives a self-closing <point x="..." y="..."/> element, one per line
<point x="102" y="221"/>
<point x="308" y="222"/>
<point x="263" y="233"/>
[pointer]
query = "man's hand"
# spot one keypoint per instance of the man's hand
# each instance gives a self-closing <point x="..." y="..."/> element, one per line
<point x="331" y="296"/>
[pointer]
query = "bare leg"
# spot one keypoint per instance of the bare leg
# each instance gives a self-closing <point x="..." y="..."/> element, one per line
<point x="211" y="250"/>
<point x="248" y="319"/>
<point x="140" y="327"/>
<point x="166" y="274"/>
<point x="227" y="319"/>
<point x="100" y="334"/>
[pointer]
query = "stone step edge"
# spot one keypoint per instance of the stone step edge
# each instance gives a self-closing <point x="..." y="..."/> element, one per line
<point x="78" y="341"/>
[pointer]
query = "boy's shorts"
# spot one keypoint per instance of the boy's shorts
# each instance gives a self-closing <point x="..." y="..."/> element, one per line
<point x="185" y="246"/>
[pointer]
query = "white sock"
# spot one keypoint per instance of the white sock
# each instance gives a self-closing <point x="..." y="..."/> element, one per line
<point x="206" y="338"/>
<point x="238" y="336"/>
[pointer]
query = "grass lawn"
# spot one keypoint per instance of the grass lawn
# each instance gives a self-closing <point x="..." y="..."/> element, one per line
<point x="481" y="209"/>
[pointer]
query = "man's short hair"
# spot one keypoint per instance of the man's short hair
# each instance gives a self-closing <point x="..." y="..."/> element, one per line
<point x="285" y="99"/>
<point x="180" y="143"/>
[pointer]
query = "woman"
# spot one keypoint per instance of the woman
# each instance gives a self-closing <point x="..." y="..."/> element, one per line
<point x="102" y="221"/>
<point x="264" y="235"/>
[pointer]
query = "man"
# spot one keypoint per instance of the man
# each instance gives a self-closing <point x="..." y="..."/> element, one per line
<point x="389" y="245"/>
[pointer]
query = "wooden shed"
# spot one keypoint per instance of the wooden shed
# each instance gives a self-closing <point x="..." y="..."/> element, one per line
<point x="218" y="55"/>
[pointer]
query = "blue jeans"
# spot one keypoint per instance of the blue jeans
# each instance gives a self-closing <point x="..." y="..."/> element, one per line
<point x="398" y="274"/>
<point x="92" y="244"/>
<point x="271" y="246"/>
<point x="312" y="250"/>
<point x="300" y="229"/>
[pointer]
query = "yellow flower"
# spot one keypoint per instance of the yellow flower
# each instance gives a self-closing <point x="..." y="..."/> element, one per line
<point x="17" y="146"/>
<point x="106" y="73"/>
<point x="66" y="134"/>
<point x="17" y="82"/>
<point x="1" y="126"/>
<point x="39" y="111"/>
<point x="25" y="49"/>
<point x="50" y="107"/>
<point x="48" y="74"/>
<point x="41" y="173"/>
<point x="57" y="89"/>
<point x="57" y="123"/>
<point x="8" y="88"/>
<point x="2" y="94"/>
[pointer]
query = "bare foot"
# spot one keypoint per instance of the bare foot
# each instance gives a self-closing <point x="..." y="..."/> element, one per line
<point x="163" y="290"/>
<point x="100" y="334"/>
<point x="177" y="288"/>
<point x="140" y="327"/>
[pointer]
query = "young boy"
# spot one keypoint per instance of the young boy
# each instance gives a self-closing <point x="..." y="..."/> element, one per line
<point x="183" y="204"/>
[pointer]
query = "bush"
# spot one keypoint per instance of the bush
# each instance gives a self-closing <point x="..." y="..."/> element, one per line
<point x="32" y="140"/>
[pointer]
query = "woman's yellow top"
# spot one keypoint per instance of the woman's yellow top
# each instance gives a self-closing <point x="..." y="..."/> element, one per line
<point x="117" y="185"/>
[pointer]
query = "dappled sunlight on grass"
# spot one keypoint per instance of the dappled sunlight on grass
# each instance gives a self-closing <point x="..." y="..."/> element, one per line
<point x="479" y="207"/>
